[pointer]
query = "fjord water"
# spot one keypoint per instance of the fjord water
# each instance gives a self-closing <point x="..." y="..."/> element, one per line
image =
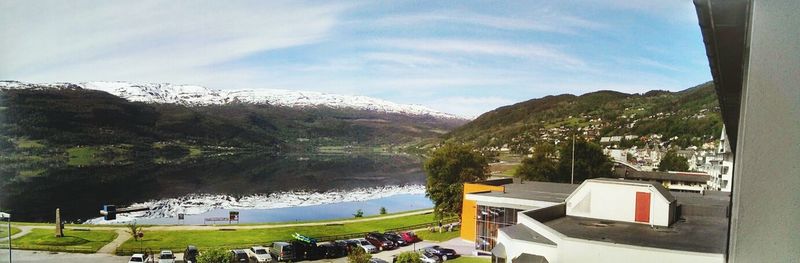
<point x="80" y="192"/>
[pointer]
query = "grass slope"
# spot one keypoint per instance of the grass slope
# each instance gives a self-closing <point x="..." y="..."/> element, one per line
<point x="204" y="239"/>
<point x="73" y="241"/>
<point x="438" y="237"/>
<point x="4" y="230"/>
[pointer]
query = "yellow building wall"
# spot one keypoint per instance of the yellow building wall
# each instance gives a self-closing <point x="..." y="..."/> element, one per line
<point x="469" y="209"/>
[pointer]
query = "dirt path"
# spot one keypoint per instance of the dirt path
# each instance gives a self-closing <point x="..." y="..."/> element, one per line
<point x="24" y="230"/>
<point x="111" y="247"/>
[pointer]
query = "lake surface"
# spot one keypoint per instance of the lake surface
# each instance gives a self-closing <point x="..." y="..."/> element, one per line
<point x="80" y="192"/>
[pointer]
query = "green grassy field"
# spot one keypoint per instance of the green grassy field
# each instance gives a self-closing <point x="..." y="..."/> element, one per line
<point x="177" y="240"/>
<point x="73" y="241"/>
<point x="439" y="237"/>
<point x="467" y="259"/>
<point x="4" y="230"/>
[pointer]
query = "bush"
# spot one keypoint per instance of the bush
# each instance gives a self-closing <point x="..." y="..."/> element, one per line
<point x="408" y="257"/>
<point x="383" y="210"/>
<point x="359" y="213"/>
<point x="214" y="255"/>
<point x="358" y="255"/>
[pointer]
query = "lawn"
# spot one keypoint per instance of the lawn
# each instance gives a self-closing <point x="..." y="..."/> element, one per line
<point x="4" y="230"/>
<point x="241" y="238"/>
<point x="80" y="156"/>
<point x="438" y="237"/>
<point x="86" y="241"/>
<point x="466" y="259"/>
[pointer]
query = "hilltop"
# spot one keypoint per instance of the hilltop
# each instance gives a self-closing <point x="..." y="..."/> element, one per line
<point x="688" y="117"/>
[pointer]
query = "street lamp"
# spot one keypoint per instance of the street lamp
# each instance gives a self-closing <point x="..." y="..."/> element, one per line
<point x="8" y="216"/>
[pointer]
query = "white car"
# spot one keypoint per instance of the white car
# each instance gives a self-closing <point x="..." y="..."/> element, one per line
<point x="363" y="243"/>
<point x="260" y="254"/>
<point x="166" y="256"/>
<point x="428" y="257"/>
<point x="139" y="258"/>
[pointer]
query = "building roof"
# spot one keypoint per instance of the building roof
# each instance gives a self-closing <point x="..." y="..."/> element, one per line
<point x="697" y="234"/>
<point x="528" y="258"/>
<point x="521" y="232"/>
<point x="539" y="191"/>
<point x="725" y="22"/>
<point x="661" y="176"/>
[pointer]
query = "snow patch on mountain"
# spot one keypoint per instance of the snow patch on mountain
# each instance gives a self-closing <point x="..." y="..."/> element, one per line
<point x="192" y="95"/>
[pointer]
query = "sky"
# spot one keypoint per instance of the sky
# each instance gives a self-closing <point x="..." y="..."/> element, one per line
<point x="460" y="57"/>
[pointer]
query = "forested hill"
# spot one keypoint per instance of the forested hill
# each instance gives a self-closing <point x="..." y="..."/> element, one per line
<point x="691" y="115"/>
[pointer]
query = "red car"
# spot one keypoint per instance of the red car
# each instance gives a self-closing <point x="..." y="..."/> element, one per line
<point x="409" y="237"/>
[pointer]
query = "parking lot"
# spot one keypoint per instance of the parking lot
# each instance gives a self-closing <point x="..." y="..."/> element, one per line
<point x="24" y="256"/>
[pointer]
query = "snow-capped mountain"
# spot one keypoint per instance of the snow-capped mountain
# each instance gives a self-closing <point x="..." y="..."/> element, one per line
<point x="191" y="95"/>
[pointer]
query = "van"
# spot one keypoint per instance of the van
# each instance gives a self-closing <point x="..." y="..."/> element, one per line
<point x="282" y="251"/>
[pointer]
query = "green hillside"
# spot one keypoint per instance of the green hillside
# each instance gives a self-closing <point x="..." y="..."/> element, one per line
<point x="691" y="115"/>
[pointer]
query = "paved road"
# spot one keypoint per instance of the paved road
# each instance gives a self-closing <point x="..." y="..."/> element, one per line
<point x="461" y="247"/>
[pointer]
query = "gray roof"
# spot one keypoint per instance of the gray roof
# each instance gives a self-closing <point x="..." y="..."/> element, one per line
<point x="521" y="232"/>
<point x="539" y="191"/>
<point x="528" y="258"/>
<point x="623" y="172"/>
<point x="698" y="234"/>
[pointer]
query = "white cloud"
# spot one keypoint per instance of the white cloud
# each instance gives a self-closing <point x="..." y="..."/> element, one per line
<point x="128" y="40"/>
<point x="544" y="53"/>
<point x="541" y="20"/>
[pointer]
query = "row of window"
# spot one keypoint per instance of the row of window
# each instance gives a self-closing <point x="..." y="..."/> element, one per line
<point x="488" y="220"/>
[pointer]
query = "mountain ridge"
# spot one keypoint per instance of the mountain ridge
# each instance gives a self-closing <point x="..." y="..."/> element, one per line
<point x="194" y="95"/>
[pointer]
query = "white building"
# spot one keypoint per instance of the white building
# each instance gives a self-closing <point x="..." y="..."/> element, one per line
<point x="613" y="220"/>
<point x="722" y="166"/>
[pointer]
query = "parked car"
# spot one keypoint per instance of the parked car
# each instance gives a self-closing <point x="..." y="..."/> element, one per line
<point x="428" y="257"/>
<point x="138" y="258"/>
<point x="306" y="251"/>
<point x="166" y="256"/>
<point x="239" y="255"/>
<point x="377" y="260"/>
<point x="260" y="254"/>
<point x="282" y="251"/>
<point x="366" y="245"/>
<point x="342" y="247"/>
<point x="409" y="237"/>
<point x="380" y="241"/>
<point x="190" y="254"/>
<point x="397" y="239"/>
<point x="443" y="253"/>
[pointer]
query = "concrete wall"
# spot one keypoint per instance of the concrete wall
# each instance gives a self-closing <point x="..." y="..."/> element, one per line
<point x="469" y="209"/>
<point x="766" y="199"/>
<point x="610" y="201"/>
<point x="578" y="250"/>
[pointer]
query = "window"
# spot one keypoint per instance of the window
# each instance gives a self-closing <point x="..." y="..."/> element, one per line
<point x="489" y="220"/>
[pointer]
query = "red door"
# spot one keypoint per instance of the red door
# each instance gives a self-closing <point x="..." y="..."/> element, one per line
<point x="642" y="207"/>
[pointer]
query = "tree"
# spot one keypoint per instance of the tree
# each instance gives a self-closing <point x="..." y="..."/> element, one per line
<point x="408" y="257"/>
<point x="448" y="168"/>
<point x="673" y="162"/>
<point x="134" y="231"/>
<point x="541" y="166"/>
<point x="214" y="255"/>
<point x="383" y="210"/>
<point x="358" y="255"/>
<point x="359" y="213"/>
<point x="590" y="162"/>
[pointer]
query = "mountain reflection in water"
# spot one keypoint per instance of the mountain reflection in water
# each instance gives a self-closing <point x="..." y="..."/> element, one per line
<point x="80" y="192"/>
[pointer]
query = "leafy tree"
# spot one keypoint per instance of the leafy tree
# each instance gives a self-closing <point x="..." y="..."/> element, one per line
<point x="358" y="255"/>
<point x="541" y="166"/>
<point x="408" y="257"/>
<point x="359" y="213"/>
<point x="214" y="255"/>
<point x="134" y="230"/>
<point x="590" y="162"/>
<point x="448" y="168"/>
<point x="383" y="210"/>
<point x="673" y="162"/>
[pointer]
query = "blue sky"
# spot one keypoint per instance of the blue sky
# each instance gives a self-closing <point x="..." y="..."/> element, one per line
<point x="461" y="57"/>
